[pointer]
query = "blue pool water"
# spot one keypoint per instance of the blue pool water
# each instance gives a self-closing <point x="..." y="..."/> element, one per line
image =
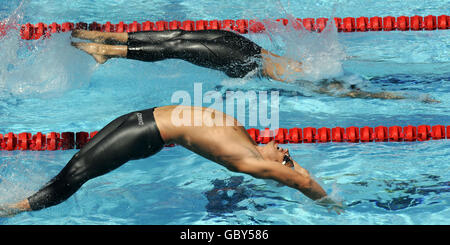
<point x="49" y="86"/>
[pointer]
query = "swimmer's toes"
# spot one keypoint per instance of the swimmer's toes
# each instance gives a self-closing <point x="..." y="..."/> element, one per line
<point x="7" y="212"/>
<point x="77" y="45"/>
<point x="82" y="46"/>
<point x="77" y="33"/>
<point x="91" y="49"/>
<point x="82" y="34"/>
<point x="74" y="33"/>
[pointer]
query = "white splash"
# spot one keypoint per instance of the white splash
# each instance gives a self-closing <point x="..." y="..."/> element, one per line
<point x="44" y="67"/>
<point x="320" y="53"/>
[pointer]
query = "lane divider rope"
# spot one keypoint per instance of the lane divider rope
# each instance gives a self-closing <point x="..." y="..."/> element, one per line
<point x="30" y="31"/>
<point x="76" y="140"/>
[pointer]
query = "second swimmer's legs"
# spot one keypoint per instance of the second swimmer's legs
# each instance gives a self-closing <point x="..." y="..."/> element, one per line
<point x="142" y="37"/>
<point x="221" y="50"/>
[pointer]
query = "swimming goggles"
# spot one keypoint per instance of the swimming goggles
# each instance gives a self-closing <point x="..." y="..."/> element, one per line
<point x="287" y="159"/>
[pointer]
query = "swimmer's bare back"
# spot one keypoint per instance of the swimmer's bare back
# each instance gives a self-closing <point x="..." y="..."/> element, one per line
<point x="210" y="133"/>
<point x="222" y="139"/>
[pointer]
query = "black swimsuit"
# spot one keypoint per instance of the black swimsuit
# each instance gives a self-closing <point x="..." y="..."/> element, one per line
<point x="129" y="137"/>
<point x="221" y="50"/>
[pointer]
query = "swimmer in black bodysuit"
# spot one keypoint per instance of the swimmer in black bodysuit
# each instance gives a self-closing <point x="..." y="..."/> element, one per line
<point x="233" y="54"/>
<point x="213" y="135"/>
<point x="226" y="51"/>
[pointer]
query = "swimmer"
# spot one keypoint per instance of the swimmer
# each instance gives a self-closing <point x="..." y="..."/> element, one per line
<point x="226" y="51"/>
<point x="141" y="134"/>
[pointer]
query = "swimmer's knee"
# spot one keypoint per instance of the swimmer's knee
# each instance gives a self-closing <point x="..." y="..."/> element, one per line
<point x="77" y="169"/>
<point x="174" y="45"/>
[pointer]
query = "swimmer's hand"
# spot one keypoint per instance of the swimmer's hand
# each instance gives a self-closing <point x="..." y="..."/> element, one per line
<point x="428" y="100"/>
<point x="331" y="204"/>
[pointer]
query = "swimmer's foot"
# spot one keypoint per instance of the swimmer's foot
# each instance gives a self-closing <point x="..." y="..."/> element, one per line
<point x="93" y="49"/>
<point x="94" y="36"/>
<point x="8" y="211"/>
<point x="100" y="58"/>
<point x="101" y="37"/>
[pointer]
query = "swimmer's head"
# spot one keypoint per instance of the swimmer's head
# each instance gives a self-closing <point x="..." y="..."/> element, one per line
<point x="272" y="151"/>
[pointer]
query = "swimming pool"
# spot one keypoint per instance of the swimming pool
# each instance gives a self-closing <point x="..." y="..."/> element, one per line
<point x="49" y="86"/>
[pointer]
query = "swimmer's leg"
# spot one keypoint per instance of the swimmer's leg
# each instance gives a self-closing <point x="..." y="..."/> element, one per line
<point x="130" y="137"/>
<point x="9" y="210"/>
<point x="113" y="38"/>
<point x="155" y="37"/>
<point x="102" y="52"/>
<point x="232" y="54"/>
<point x="156" y="42"/>
<point x="190" y="51"/>
<point x="221" y="50"/>
<point x="104" y="132"/>
<point x="234" y="60"/>
<point x="129" y="141"/>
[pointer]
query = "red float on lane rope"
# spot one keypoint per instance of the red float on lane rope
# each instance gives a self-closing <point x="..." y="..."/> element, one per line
<point x="389" y="23"/>
<point x="338" y="134"/>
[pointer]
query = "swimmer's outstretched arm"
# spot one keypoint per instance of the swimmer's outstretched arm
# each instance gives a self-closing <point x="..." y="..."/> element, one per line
<point x="336" y="88"/>
<point x="385" y="96"/>
<point x="299" y="179"/>
<point x="378" y="95"/>
<point x="326" y="201"/>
